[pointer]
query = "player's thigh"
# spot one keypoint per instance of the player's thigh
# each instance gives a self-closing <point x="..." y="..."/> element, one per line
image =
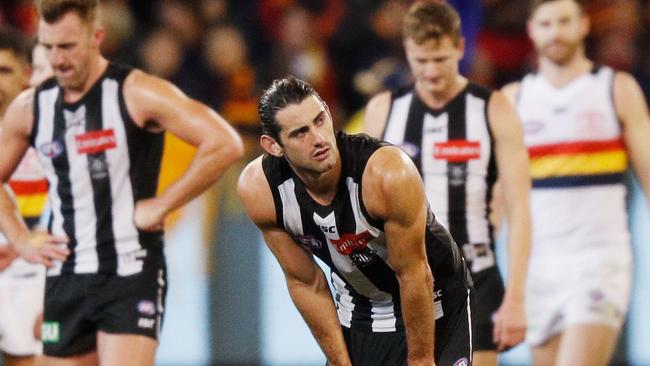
<point x="586" y="345"/>
<point x="484" y="358"/>
<point x="87" y="359"/>
<point x="125" y="349"/>
<point x="18" y="361"/>
<point x="545" y="354"/>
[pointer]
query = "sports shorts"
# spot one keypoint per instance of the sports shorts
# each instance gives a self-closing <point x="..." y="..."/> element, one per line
<point x="592" y="287"/>
<point x="489" y="292"/>
<point x="77" y="306"/>
<point x="21" y="301"/>
<point x="452" y="341"/>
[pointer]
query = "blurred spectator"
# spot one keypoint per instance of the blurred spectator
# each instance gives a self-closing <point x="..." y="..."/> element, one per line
<point x="366" y="35"/>
<point x="503" y="50"/>
<point x="163" y="54"/>
<point x="19" y="13"/>
<point x="300" y="51"/>
<point x="234" y="87"/>
<point x="120" y="28"/>
<point x="614" y="32"/>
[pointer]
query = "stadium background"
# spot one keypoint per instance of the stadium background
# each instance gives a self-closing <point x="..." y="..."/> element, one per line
<point x="227" y="302"/>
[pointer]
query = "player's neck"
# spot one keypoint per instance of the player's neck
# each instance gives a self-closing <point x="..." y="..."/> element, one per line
<point x="322" y="187"/>
<point x="440" y="100"/>
<point x="97" y="68"/>
<point x="560" y="75"/>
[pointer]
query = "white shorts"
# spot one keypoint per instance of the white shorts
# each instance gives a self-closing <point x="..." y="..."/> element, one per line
<point x="22" y="286"/>
<point x="592" y="287"/>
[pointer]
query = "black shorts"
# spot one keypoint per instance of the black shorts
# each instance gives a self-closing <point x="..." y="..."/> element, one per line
<point x="452" y="340"/>
<point x="488" y="293"/>
<point x="79" y="305"/>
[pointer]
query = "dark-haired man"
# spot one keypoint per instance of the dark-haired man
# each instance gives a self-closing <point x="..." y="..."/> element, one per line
<point x="97" y="128"/>
<point x="402" y="288"/>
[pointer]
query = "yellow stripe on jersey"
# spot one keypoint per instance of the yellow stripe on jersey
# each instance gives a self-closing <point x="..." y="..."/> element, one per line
<point x="605" y="162"/>
<point x="31" y="205"/>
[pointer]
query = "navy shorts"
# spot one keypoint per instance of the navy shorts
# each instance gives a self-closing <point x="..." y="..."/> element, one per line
<point x="452" y="338"/>
<point x="77" y="306"/>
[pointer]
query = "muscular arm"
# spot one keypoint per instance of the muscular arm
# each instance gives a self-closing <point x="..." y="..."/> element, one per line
<point x="633" y="113"/>
<point x="156" y="104"/>
<point x="514" y="178"/>
<point x="14" y="139"/>
<point x="305" y="280"/>
<point x="393" y="192"/>
<point x="376" y="115"/>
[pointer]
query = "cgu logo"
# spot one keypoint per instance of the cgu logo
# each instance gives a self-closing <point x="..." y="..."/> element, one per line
<point x="328" y="229"/>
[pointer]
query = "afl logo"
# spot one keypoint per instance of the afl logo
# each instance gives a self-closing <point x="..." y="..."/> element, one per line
<point x="51" y="149"/>
<point x="308" y="242"/>
<point x="462" y="362"/>
<point x="533" y="127"/>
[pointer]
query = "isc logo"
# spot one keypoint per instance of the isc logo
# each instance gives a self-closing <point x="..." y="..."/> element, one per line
<point x="328" y="229"/>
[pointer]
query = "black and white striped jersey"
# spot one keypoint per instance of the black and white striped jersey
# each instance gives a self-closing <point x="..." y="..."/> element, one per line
<point x="454" y="151"/>
<point x="98" y="163"/>
<point x="353" y="244"/>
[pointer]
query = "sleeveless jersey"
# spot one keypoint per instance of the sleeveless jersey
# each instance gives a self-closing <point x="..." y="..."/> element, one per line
<point x="352" y="243"/>
<point x="98" y="163"/>
<point x="454" y="151"/>
<point x="578" y="160"/>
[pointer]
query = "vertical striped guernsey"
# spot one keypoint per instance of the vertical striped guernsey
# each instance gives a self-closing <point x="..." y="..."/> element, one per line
<point x="98" y="164"/>
<point x="454" y="151"/>
<point x="352" y="243"/>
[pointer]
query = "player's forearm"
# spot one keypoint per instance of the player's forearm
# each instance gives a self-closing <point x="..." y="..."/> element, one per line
<point x="518" y="248"/>
<point x="315" y="304"/>
<point x="416" y="294"/>
<point x="11" y="223"/>
<point x="208" y="165"/>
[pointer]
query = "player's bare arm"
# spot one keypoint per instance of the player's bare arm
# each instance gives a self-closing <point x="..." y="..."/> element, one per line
<point x="376" y="115"/>
<point x="393" y="192"/>
<point x="632" y="110"/>
<point x="514" y="178"/>
<point x="14" y="139"/>
<point x="305" y="280"/>
<point x="157" y="105"/>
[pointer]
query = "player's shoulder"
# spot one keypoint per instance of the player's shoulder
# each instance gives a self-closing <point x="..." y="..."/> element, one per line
<point x="255" y="192"/>
<point x="389" y="164"/>
<point x="511" y="90"/>
<point x="252" y="174"/>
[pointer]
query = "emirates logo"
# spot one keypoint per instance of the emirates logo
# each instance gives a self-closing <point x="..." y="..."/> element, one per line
<point x="457" y="151"/>
<point x="348" y="243"/>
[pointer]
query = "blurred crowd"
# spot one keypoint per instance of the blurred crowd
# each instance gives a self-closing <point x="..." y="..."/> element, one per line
<point x="223" y="52"/>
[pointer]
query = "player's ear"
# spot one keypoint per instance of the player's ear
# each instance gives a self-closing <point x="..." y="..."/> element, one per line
<point x="271" y="146"/>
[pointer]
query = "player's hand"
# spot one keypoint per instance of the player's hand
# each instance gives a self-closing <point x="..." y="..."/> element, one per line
<point x="41" y="247"/>
<point x="509" y="325"/>
<point x="38" y="323"/>
<point x="7" y="255"/>
<point x="149" y="215"/>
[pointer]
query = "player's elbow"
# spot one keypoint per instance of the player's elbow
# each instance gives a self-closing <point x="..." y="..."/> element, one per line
<point x="224" y="150"/>
<point x="418" y="272"/>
